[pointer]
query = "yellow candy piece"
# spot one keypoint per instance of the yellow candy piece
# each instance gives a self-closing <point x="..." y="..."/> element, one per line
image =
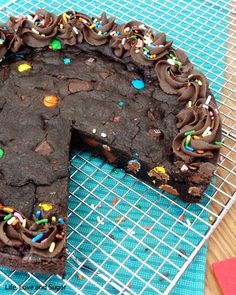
<point x="8" y="209"/>
<point x="24" y="223"/>
<point x="52" y="247"/>
<point x="65" y="16"/>
<point x="35" y="31"/>
<point x="46" y="206"/>
<point x="120" y="219"/>
<point x="159" y="169"/>
<point x="54" y="219"/>
<point x="158" y="172"/>
<point x="24" y="67"/>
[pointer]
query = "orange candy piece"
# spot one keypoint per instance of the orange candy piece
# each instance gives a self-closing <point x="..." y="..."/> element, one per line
<point x="50" y="101"/>
<point x="114" y="201"/>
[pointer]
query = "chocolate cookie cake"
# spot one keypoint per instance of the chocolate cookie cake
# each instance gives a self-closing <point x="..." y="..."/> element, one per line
<point x="118" y="89"/>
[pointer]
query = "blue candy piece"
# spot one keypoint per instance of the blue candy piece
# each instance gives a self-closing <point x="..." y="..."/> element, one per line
<point x="38" y="214"/>
<point x="98" y="25"/>
<point x="121" y="104"/>
<point x="67" y="60"/>
<point x="60" y="220"/>
<point x="189" y="148"/>
<point x="38" y="237"/>
<point x="19" y="55"/>
<point x="138" y="84"/>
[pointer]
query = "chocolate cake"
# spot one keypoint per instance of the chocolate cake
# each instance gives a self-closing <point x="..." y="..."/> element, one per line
<point x="118" y="89"/>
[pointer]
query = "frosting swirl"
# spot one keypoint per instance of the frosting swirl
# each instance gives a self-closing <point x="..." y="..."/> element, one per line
<point x="71" y="27"/>
<point x="124" y="37"/>
<point x="97" y="32"/>
<point x="10" y="38"/>
<point x="3" y="45"/>
<point x="50" y="233"/>
<point x="76" y="26"/>
<point x="150" y="48"/>
<point x="13" y="233"/>
<point x="39" y="29"/>
<point x="9" y="235"/>
<point x="198" y="127"/>
<point x="177" y="76"/>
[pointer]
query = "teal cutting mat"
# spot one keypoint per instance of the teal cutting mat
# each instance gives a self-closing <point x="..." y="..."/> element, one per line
<point x="144" y="248"/>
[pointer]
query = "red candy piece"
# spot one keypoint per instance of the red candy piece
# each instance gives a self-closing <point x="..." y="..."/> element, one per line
<point x="116" y="119"/>
<point x="225" y="272"/>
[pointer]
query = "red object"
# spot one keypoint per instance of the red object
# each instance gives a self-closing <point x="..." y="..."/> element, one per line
<point x="114" y="201"/>
<point x="225" y="272"/>
<point x="116" y="119"/>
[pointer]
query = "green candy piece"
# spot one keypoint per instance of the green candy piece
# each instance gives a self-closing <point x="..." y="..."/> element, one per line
<point x="188" y="138"/>
<point x="218" y="143"/>
<point x="178" y="63"/>
<point x="41" y="221"/>
<point x="190" y="132"/>
<point x="7" y="217"/>
<point x="1" y="153"/>
<point x="55" y="44"/>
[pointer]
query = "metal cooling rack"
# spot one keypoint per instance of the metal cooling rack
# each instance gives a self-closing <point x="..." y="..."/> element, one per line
<point x="90" y="171"/>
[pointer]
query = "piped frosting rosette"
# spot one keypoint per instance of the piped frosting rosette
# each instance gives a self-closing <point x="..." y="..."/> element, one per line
<point x="177" y="76"/>
<point x="3" y="45"/>
<point x="75" y="26"/>
<point x="136" y="39"/>
<point x="38" y="29"/>
<point x="98" y="32"/>
<point x="71" y="25"/>
<point x="9" y="235"/>
<point x="150" y="48"/>
<point x="9" y="38"/>
<point x="45" y="237"/>
<point x="51" y="238"/>
<point x="198" y="127"/>
<point x="124" y="37"/>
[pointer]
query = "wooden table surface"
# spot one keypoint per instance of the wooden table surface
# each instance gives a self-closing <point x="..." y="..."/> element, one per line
<point x="222" y="244"/>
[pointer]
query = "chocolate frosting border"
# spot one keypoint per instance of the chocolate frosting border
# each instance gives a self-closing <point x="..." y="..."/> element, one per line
<point x="174" y="71"/>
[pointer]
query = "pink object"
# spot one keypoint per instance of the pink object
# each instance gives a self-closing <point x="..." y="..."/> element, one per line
<point x="17" y="215"/>
<point x="225" y="272"/>
<point x="45" y="240"/>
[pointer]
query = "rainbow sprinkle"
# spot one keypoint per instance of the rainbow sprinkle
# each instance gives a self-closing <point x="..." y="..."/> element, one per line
<point x="38" y="237"/>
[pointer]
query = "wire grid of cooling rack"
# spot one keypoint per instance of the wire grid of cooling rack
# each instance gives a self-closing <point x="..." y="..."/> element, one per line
<point x="168" y="209"/>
